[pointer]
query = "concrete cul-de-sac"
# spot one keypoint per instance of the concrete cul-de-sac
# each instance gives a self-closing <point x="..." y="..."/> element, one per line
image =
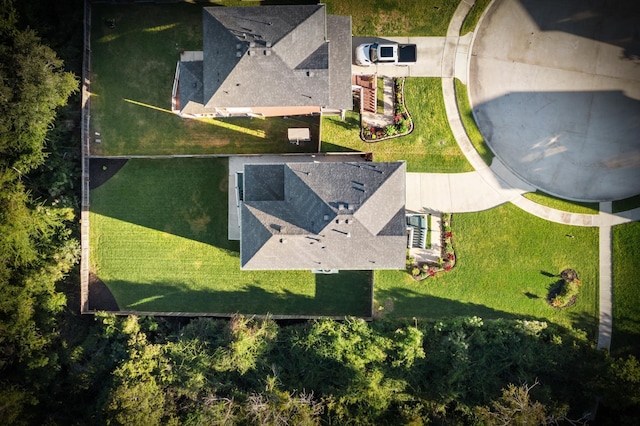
<point x="555" y="89"/>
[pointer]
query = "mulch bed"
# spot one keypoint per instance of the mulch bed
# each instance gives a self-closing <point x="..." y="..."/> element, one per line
<point x="555" y="289"/>
<point x="100" y="297"/>
<point x="103" y="169"/>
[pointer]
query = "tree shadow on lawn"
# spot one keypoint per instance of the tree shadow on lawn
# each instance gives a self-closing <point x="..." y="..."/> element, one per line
<point x="345" y="294"/>
<point x="626" y="337"/>
<point x="406" y="303"/>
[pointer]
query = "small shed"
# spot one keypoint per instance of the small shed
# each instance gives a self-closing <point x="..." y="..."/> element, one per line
<point x="298" y="134"/>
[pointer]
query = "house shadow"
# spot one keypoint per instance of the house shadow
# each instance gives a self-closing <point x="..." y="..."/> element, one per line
<point x="616" y="23"/>
<point x="576" y="145"/>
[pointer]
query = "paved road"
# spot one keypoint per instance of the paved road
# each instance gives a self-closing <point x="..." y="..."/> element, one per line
<point x="555" y="88"/>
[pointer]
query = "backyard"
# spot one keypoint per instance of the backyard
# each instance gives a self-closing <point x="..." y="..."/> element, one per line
<point x="133" y="67"/>
<point x="506" y="261"/>
<point x="159" y="243"/>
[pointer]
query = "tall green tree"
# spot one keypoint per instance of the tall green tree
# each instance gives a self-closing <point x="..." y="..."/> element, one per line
<point x="36" y="247"/>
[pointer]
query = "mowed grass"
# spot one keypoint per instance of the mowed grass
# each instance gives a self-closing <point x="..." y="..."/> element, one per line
<point x="506" y="262"/>
<point x="472" y="18"/>
<point x="626" y="297"/>
<point x="132" y="73"/>
<point x="560" y="204"/>
<point x="396" y="17"/>
<point x="431" y="146"/>
<point x="159" y="242"/>
<point x="469" y="123"/>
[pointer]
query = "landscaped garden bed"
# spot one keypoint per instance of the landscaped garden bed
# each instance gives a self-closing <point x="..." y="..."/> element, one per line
<point x="447" y="260"/>
<point x="564" y="293"/>
<point x="402" y="122"/>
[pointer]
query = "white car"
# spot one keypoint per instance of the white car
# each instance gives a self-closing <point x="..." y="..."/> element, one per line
<point x="368" y="54"/>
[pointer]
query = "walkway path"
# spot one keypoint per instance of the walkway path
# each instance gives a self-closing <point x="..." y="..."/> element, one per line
<point x="488" y="187"/>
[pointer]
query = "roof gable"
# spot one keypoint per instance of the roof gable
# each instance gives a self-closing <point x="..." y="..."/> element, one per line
<point x="266" y="56"/>
<point x="333" y="215"/>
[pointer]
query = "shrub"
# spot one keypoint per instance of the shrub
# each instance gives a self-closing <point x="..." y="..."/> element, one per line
<point x="390" y="130"/>
<point x="415" y="271"/>
<point x="567" y="289"/>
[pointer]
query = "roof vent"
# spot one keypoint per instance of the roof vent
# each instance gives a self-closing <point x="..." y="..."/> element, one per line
<point x="340" y="206"/>
<point x="268" y="43"/>
<point x="267" y="53"/>
<point x="326" y="217"/>
<point x="251" y="52"/>
<point x="238" y="54"/>
<point x="309" y="73"/>
<point x="238" y="46"/>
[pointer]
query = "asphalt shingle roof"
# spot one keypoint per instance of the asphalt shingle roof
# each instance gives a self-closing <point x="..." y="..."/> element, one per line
<point x="271" y="56"/>
<point x="327" y="216"/>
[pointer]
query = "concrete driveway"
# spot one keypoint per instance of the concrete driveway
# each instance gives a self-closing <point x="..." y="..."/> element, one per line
<point x="555" y="89"/>
<point x="428" y="54"/>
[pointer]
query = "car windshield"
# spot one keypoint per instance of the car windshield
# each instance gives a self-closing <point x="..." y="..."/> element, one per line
<point x="373" y="52"/>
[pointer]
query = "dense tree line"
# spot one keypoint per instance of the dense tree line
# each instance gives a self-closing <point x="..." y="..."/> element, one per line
<point x="57" y="367"/>
<point x="37" y="249"/>
<point x="130" y="370"/>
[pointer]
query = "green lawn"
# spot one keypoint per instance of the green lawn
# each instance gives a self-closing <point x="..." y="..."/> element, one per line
<point x="469" y="123"/>
<point x="626" y="298"/>
<point x="132" y="72"/>
<point x="159" y="242"/>
<point x="472" y="18"/>
<point x="560" y="204"/>
<point x="431" y="146"/>
<point x="396" y="17"/>
<point x="380" y="95"/>
<point x="506" y="259"/>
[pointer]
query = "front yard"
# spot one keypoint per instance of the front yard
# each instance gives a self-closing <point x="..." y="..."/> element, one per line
<point x="506" y="262"/>
<point x="159" y="242"/>
<point x="431" y="146"/>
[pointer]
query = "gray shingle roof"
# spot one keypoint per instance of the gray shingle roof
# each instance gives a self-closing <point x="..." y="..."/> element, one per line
<point x="271" y="56"/>
<point x="331" y="216"/>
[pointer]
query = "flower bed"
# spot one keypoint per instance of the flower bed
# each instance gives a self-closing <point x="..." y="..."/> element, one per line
<point x="564" y="293"/>
<point x="422" y="270"/>
<point x="403" y="124"/>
